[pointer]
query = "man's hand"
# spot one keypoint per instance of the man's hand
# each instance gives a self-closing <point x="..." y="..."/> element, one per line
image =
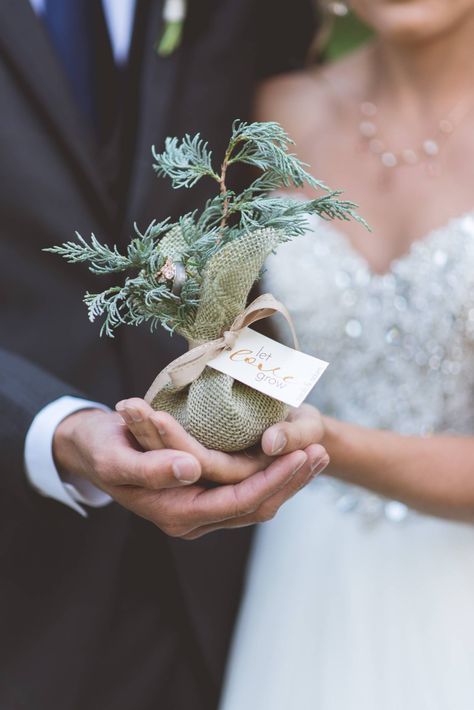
<point x="158" y="430"/>
<point x="160" y="485"/>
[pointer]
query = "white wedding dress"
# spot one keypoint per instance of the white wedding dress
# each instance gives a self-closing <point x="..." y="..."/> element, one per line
<point x="354" y="602"/>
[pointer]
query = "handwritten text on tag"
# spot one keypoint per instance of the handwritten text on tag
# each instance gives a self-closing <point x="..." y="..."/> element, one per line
<point x="270" y="367"/>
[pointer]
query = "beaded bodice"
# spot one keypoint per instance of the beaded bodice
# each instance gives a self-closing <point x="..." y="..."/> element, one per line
<point x="400" y="345"/>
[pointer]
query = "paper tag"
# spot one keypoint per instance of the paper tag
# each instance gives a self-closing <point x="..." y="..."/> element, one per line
<point x="270" y="367"/>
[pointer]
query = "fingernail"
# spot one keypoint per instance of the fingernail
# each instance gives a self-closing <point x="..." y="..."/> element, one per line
<point x="125" y="416"/>
<point x="134" y="414"/>
<point x="120" y="405"/>
<point x="279" y="443"/>
<point x="185" y="470"/>
<point x="319" y="465"/>
<point x="299" y="465"/>
<point x="160" y="428"/>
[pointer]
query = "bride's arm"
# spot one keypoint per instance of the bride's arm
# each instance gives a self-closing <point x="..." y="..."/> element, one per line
<point x="434" y="474"/>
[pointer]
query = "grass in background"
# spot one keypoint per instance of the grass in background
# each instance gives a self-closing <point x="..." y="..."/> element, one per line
<point x="348" y="34"/>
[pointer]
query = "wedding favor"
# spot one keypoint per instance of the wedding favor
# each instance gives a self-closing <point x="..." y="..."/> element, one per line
<point x="194" y="277"/>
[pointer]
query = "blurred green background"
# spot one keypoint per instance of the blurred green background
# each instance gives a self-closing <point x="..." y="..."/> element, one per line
<point x="348" y="33"/>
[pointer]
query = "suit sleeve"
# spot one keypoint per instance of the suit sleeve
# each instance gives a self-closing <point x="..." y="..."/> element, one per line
<point x="285" y="32"/>
<point x="24" y="390"/>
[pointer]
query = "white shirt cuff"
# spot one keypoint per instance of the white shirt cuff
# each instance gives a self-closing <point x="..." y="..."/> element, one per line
<point x="40" y="467"/>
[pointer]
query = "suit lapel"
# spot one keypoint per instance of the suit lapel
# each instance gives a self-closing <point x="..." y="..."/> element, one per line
<point x="159" y="79"/>
<point x="35" y="63"/>
<point x="164" y="106"/>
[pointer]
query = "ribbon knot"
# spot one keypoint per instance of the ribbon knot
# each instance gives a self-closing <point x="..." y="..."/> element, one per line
<point x="230" y="339"/>
<point x="187" y="368"/>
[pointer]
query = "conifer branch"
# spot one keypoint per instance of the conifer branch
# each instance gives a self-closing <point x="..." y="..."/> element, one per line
<point x="147" y="294"/>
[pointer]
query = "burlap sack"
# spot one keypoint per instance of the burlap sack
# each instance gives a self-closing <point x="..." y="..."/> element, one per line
<point x="220" y="412"/>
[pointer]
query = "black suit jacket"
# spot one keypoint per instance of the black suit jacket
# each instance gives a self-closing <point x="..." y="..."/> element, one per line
<point x="106" y="612"/>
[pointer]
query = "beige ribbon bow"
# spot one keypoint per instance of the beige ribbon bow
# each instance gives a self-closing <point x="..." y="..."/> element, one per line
<point x="187" y="368"/>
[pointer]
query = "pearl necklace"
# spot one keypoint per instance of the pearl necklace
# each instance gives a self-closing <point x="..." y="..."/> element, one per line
<point x="427" y="151"/>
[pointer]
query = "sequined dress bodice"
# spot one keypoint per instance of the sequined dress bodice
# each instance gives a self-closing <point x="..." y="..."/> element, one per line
<point x="400" y="345"/>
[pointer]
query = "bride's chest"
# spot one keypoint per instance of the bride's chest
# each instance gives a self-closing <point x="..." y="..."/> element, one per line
<point x="332" y="293"/>
<point x="401" y="205"/>
<point x="382" y="333"/>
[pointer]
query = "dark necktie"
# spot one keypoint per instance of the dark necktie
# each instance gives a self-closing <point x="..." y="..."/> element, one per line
<point x="79" y="35"/>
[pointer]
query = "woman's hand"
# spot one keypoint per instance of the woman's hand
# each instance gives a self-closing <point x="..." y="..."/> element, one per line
<point x="302" y="431"/>
<point x="303" y="426"/>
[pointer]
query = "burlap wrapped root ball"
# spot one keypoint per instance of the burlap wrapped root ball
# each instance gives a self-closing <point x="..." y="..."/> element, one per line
<point x="217" y="410"/>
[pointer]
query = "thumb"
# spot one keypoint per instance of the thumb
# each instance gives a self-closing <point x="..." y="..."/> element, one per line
<point x="155" y="470"/>
<point x="302" y="428"/>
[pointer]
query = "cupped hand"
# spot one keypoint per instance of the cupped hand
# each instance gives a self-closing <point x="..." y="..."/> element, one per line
<point x="163" y="485"/>
<point x="158" y="430"/>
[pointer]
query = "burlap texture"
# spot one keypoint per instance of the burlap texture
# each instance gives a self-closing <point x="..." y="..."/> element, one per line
<point x="218" y="411"/>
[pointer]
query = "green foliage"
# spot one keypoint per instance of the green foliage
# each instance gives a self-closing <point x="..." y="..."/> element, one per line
<point x="147" y="294"/>
<point x="265" y="146"/>
<point x="348" y="34"/>
<point x="184" y="162"/>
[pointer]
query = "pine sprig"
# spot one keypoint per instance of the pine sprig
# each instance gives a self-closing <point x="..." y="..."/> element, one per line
<point x="141" y="251"/>
<point x="147" y="294"/>
<point x="103" y="259"/>
<point x="184" y="162"/>
<point x="265" y="146"/>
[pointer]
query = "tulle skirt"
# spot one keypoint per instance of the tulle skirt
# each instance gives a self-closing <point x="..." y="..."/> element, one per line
<point x="348" y="612"/>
